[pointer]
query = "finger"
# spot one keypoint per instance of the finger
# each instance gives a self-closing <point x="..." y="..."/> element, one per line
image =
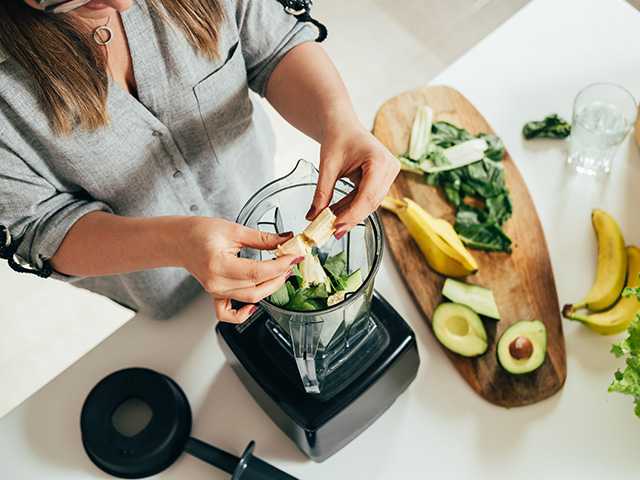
<point x="340" y="206"/>
<point x="369" y="195"/>
<point x="249" y="237"/>
<point x="257" y="271"/>
<point x="259" y="292"/>
<point x="226" y="285"/>
<point x="226" y="313"/>
<point x="329" y="173"/>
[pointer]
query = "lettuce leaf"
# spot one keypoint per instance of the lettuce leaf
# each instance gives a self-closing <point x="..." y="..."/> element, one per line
<point x="627" y="381"/>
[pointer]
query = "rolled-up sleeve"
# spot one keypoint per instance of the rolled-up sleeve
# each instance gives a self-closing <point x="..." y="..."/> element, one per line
<point x="37" y="215"/>
<point x="267" y="33"/>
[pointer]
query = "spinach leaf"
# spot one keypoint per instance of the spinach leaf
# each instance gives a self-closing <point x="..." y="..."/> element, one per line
<point x="445" y="134"/>
<point x="318" y="291"/>
<point x="281" y="296"/>
<point x="336" y="266"/>
<point x="303" y="302"/>
<point x="478" y="229"/>
<point x="499" y="208"/>
<point x="452" y="194"/>
<point x="484" y="236"/>
<point x="552" y="126"/>
<point x="495" y="151"/>
<point x="483" y="181"/>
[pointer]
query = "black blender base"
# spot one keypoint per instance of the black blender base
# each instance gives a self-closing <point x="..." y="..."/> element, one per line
<point x="321" y="427"/>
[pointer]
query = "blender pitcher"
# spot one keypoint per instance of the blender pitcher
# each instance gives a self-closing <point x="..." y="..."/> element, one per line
<point x="334" y="343"/>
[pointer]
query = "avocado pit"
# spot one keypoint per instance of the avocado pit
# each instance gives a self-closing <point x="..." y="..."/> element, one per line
<point x="521" y="348"/>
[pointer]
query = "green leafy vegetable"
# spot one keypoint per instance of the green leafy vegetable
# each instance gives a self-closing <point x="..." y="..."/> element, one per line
<point x="336" y="266"/>
<point x="445" y="134"/>
<point x="467" y="168"/>
<point x="281" y="296"/>
<point x="484" y="236"/>
<point x="627" y="381"/>
<point x="551" y="127"/>
<point x="300" y="293"/>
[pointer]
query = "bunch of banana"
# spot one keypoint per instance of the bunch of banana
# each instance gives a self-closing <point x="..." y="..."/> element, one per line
<point x="436" y="238"/>
<point x="603" y="309"/>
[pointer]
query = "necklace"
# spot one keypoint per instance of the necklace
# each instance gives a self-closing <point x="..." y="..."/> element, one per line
<point x="103" y="34"/>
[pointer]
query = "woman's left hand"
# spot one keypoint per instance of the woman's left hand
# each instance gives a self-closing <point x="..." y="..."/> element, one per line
<point x="356" y="154"/>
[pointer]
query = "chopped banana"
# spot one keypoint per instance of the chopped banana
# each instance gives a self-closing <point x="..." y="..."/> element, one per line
<point x="297" y="246"/>
<point x="336" y="298"/>
<point x="312" y="272"/>
<point x="321" y="229"/>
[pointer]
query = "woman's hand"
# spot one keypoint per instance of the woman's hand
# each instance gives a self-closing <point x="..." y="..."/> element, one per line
<point x="356" y="154"/>
<point x="210" y="251"/>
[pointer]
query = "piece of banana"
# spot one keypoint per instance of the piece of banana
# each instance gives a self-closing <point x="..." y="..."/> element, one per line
<point x="297" y="246"/>
<point x="320" y="230"/>
<point x="442" y="255"/>
<point x="618" y="317"/>
<point x="612" y="264"/>
<point x="316" y="234"/>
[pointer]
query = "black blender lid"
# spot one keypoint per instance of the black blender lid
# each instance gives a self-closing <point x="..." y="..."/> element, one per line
<point x="163" y="439"/>
<point x="154" y="448"/>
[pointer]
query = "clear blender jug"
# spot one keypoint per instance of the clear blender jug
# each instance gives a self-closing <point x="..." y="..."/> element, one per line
<point x="334" y="344"/>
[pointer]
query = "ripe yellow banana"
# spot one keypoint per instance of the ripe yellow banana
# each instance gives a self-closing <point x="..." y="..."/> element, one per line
<point x="612" y="264"/>
<point x="618" y="317"/>
<point x="443" y="254"/>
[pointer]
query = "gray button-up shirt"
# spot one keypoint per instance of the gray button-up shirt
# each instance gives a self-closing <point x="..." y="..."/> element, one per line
<point x="196" y="143"/>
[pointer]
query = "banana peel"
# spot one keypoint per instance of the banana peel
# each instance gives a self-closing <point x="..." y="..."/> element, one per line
<point x="436" y="238"/>
<point x="618" y="317"/>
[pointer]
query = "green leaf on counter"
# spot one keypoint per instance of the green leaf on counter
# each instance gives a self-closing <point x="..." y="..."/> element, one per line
<point x="552" y="126"/>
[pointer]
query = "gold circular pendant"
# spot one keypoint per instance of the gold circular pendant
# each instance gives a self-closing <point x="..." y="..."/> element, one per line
<point x="103" y="36"/>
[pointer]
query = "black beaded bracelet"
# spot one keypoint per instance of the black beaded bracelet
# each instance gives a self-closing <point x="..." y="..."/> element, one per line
<point x="8" y="250"/>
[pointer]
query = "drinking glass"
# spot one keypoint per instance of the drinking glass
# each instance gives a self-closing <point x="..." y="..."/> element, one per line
<point x="603" y="114"/>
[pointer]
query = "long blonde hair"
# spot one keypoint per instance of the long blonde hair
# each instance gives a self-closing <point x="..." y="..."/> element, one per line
<point x="68" y="68"/>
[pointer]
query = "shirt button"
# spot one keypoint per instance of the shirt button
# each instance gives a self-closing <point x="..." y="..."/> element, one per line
<point x="157" y="133"/>
<point x="194" y="208"/>
<point x="177" y="174"/>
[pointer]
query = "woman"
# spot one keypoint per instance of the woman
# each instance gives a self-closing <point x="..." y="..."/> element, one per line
<point x="129" y="143"/>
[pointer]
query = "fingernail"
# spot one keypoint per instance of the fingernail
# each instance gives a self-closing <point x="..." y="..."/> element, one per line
<point x="341" y="230"/>
<point x="253" y="310"/>
<point x="297" y="260"/>
<point x="285" y="234"/>
<point x="311" y="213"/>
<point x="289" y="273"/>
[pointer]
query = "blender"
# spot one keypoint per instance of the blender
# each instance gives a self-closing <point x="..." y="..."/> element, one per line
<point x="325" y="375"/>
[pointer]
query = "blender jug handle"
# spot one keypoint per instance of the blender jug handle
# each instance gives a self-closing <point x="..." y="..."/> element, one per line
<point x="305" y="337"/>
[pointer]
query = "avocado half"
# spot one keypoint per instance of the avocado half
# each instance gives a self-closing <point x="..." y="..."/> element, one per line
<point x="460" y="329"/>
<point x="522" y="348"/>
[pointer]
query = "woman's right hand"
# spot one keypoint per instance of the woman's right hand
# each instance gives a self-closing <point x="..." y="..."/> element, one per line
<point x="210" y="252"/>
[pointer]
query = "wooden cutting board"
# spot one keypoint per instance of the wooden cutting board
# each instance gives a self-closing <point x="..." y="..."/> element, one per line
<point x="522" y="281"/>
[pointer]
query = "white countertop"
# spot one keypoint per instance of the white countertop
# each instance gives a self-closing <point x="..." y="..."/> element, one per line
<point x="531" y="66"/>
